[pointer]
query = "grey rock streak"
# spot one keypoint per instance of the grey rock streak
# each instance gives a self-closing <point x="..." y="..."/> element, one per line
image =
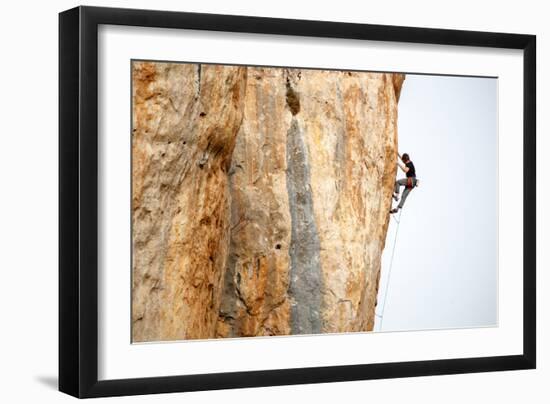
<point x="305" y="268"/>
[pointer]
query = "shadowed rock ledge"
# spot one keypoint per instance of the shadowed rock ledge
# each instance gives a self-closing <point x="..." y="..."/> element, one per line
<point x="259" y="199"/>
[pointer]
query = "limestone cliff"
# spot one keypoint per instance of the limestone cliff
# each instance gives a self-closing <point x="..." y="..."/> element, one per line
<point x="260" y="199"/>
<point x="185" y="122"/>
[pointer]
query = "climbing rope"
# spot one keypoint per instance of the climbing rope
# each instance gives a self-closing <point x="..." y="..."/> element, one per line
<point x="381" y="316"/>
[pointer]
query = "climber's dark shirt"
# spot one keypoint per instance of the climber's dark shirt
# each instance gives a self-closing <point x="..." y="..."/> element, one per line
<point x="412" y="171"/>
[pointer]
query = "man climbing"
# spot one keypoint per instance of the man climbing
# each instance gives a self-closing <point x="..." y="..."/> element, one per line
<point x="409" y="183"/>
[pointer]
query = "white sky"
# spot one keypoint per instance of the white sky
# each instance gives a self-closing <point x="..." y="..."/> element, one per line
<point x="444" y="272"/>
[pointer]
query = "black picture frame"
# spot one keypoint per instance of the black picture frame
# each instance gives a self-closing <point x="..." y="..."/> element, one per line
<point x="78" y="201"/>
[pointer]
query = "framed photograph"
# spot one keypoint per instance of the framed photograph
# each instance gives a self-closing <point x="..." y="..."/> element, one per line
<point x="250" y="201"/>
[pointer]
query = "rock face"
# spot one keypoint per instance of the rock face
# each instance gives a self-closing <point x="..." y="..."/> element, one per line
<point x="185" y="122"/>
<point x="260" y="199"/>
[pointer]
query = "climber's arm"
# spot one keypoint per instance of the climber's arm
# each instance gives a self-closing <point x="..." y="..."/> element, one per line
<point x="403" y="167"/>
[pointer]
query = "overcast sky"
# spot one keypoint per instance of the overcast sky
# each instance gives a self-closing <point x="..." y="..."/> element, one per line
<point x="444" y="272"/>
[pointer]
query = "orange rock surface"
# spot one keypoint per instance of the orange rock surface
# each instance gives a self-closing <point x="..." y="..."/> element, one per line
<point x="260" y="199"/>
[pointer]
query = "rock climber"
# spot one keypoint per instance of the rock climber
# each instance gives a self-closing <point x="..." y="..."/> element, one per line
<point x="407" y="166"/>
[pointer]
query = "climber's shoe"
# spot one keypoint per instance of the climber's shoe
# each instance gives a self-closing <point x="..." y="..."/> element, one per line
<point x="396" y="197"/>
<point x="394" y="210"/>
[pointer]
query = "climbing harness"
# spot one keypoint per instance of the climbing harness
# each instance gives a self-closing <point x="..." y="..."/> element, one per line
<point x="381" y="316"/>
<point x="412" y="184"/>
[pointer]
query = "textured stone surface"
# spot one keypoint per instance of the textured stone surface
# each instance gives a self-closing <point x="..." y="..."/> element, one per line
<point x="185" y="123"/>
<point x="255" y="298"/>
<point x="348" y="122"/>
<point x="267" y="212"/>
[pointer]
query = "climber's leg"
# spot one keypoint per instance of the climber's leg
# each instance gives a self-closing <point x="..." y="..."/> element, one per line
<point x="398" y="184"/>
<point x="406" y="193"/>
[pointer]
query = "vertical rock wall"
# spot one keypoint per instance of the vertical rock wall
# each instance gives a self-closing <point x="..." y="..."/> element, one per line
<point x="272" y="220"/>
<point x="348" y="123"/>
<point x="185" y="123"/>
<point x="255" y="300"/>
